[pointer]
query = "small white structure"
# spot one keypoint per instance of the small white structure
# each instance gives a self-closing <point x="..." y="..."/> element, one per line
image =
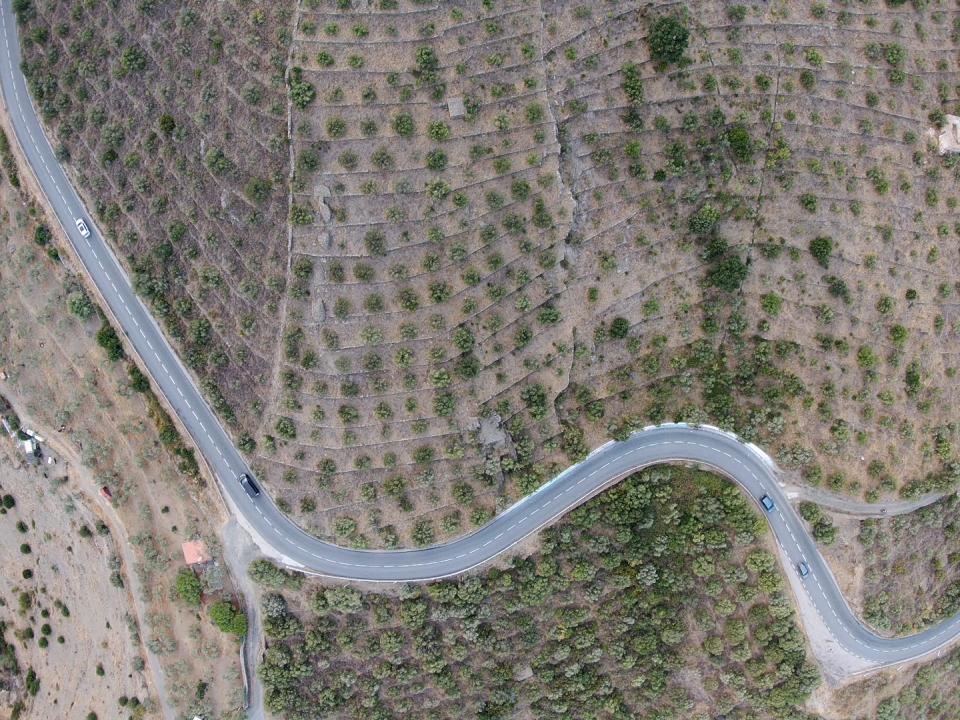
<point x="36" y="436"/>
<point x="949" y="138"/>
<point x="322" y="193"/>
<point x="456" y="107"/>
<point x="31" y="450"/>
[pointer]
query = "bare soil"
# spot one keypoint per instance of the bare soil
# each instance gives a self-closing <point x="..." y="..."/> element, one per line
<point x="61" y="383"/>
<point x="846" y="559"/>
<point x="920" y="691"/>
<point x="95" y="662"/>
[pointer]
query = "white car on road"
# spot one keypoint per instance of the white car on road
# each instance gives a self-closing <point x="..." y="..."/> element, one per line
<point x="82" y="227"/>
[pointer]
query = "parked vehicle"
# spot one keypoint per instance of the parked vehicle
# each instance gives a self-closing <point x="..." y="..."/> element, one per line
<point x="247" y="483"/>
<point x="767" y="503"/>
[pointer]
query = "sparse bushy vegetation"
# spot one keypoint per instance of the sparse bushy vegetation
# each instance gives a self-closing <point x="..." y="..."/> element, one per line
<point x="590" y="624"/>
<point x="912" y="575"/>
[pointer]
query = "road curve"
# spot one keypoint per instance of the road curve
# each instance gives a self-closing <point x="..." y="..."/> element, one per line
<point x="745" y="464"/>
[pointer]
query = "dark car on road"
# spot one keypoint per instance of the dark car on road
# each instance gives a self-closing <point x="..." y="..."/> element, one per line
<point x="249" y="485"/>
<point x="803" y="569"/>
<point x="767" y="503"/>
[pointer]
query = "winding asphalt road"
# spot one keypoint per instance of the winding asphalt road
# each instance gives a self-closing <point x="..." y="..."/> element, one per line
<point x="744" y="463"/>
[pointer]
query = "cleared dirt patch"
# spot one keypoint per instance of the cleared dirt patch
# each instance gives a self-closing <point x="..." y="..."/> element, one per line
<point x="92" y="655"/>
<point x="88" y="409"/>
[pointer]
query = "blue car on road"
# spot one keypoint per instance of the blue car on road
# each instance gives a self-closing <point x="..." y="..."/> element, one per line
<point x="803" y="569"/>
<point x="767" y="503"/>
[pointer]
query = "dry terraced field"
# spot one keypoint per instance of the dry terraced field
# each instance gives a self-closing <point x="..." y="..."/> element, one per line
<point x="410" y="316"/>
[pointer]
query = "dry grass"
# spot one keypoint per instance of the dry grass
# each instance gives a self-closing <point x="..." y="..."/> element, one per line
<point x="86" y="407"/>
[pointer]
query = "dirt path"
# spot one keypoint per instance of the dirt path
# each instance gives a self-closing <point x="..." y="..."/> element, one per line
<point x="858" y="508"/>
<point x="238" y="551"/>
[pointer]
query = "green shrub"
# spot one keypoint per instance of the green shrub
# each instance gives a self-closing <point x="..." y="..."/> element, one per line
<point x="133" y="59"/>
<point x="866" y="357"/>
<point x="404" y="125"/>
<point x="821" y="248"/>
<point x="42" y="235"/>
<point x="263" y="572"/>
<point x="667" y="39"/>
<point x="189" y="588"/>
<point x="375" y="242"/>
<point x="286" y="428"/>
<point x="463" y="339"/>
<point x="32" y="682"/>
<point x="838" y="288"/>
<point x="728" y="274"/>
<point x="436" y="160"/>
<point x="258" y="189"/>
<point x="108" y="339"/>
<point x="346" y="600"/>
<point x="632" y="83"/>
<point x="808" y="201"/>
<point x="138" y="381"/>
<point x="336" y="127"/>
<point x="898" y="335"/>
<point x="771" y="304"/>
<point x="302" y="93"/>
<point x="228" y="619"/>
<point x="619" y="328"/>
<point x="217" y="162"/>
<point x="741" y="143"/>
<point x="80" y="305"/>
<point x="438" y="131"/>
<point x="704" y="220"/>
<point x="167" y="124"/>
<point x="301" y="215"/>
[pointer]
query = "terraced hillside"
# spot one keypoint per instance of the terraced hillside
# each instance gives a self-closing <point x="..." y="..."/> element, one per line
<point x="798" y="145"/>
<point x="172" y="117"/>
<point x="518" y="229"/>
<point x="428" y="277"/>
